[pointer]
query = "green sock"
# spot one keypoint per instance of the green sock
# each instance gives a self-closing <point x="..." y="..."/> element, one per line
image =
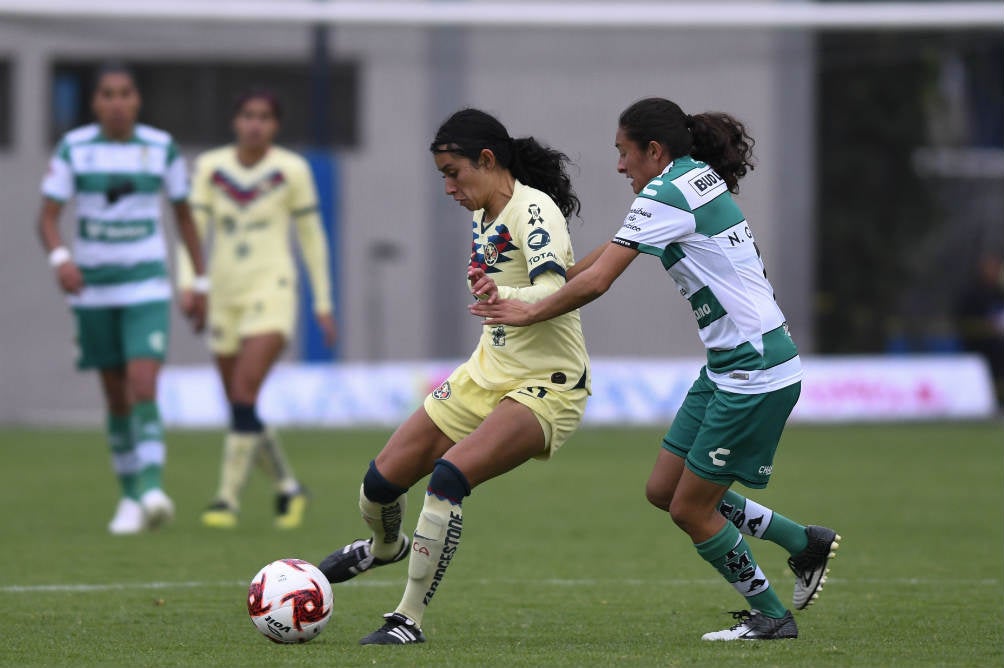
<point x="123" y="454"/>
<point x="759" y="521"/>
<point x="148" y="435"/>
<point x="728" y="552"/>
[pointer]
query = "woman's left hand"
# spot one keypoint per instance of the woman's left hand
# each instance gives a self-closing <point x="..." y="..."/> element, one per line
<point x="326" y="321"/>
<point x="482" y="287"/>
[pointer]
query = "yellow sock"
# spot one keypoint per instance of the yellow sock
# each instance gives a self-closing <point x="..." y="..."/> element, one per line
<point x="384" y="520"/>
<point x="238" y="451"/>
<point x="437" y="536"/>
<point x="272" y="460"/>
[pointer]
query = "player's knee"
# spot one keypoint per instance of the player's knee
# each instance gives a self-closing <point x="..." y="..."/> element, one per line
<point x="658" y="494"/>
<point x="449" y="482"/>
<point x="243" y="389"/>
<point x="683" y="514"/>
<point x="142" y="387"/>
<point x="378" y="489"/>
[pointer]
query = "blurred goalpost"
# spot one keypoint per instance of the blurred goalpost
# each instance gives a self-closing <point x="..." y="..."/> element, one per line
<point x="580" y="15"/>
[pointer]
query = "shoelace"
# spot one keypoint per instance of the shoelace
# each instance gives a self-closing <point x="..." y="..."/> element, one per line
<point x="742" y="616"/>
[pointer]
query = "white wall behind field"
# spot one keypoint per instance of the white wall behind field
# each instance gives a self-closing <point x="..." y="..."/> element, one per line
<point x="565" y="87"/>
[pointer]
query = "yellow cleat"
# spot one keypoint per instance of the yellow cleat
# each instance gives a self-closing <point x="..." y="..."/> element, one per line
<point x="219" y="516"/>
<point x="290" y="509"/>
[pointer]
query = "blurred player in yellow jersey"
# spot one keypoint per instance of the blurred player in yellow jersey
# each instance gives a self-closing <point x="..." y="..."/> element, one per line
<point x="521" y="394"/>
<point x="245" y="196"/>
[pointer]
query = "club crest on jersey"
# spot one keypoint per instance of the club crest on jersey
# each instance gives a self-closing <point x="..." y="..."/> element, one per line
<point x="442" y="392"/>
<point x="491" y="254"/>
<point x="535" y="216"/>
<point x="538" y="239"/>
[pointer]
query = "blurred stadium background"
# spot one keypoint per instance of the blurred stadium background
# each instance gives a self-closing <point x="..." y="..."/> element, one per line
<point x="880" y="182"/>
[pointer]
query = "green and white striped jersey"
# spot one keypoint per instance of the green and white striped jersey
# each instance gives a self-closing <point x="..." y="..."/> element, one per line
<point x="119" y="245"/>
<point x="687" y="218"/>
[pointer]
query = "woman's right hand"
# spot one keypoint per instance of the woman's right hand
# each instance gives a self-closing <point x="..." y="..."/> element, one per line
<point x="193" y="305"/>
<point x="69" y="277"/>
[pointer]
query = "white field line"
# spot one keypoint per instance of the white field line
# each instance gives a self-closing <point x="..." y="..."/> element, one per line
<point x="547" y="582"/>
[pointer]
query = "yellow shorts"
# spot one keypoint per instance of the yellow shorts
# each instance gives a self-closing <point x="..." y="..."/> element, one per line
<point x="258" y="312"/>
<point x="459" y="406"/>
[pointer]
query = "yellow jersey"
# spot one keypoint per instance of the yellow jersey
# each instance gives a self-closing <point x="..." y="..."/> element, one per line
<point x="247" y="210"/>
<point x="526" y="250"/>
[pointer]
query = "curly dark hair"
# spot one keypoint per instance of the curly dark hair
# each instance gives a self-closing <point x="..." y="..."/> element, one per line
<point x="469" y="131"/>
<point x="712" y="137"/>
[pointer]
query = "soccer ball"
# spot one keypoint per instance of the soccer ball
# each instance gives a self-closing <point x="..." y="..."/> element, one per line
<point x="289" y="601"/>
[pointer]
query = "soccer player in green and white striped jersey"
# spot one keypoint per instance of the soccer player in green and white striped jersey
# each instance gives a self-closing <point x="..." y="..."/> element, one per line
<point x="684" y="170"/>
<point x="116" y="279"/>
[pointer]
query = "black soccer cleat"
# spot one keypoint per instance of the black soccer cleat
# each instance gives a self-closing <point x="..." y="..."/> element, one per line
<point x="397" y="630"/>
<point x="811" y="565"/>
<point x="752" y="625"/>
<point x="356" y="558"/>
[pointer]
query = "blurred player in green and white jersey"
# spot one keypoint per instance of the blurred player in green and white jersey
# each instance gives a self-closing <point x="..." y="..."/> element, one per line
<point x="521" y="394"/>
<point x="684" y="170"/>
<point x="245" y="196"/>
<point x="116" y="278"/>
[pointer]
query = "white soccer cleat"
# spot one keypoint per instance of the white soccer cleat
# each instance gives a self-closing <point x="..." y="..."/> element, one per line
<point x="812" y="565"/>
<point x="751" y="625"/>
<point x="128" y="518"/>
<point x="158" y="508"/>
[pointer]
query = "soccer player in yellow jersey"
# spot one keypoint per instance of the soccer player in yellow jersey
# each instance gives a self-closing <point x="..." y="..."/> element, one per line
<point x="521" y="394"/>
<point x="247" y="194"/>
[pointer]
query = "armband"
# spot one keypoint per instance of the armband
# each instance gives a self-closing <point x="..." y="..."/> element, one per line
<point x="200" y="284"/>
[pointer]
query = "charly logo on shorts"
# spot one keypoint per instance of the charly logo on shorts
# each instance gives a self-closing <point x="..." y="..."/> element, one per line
<point x="442" y="392"/>
<point x="157" y="341"/>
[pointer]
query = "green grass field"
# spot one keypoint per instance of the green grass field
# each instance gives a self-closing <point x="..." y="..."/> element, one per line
<point x="562" y="563"/>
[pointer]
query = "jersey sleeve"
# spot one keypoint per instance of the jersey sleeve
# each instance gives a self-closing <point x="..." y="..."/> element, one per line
<point x="201" y="195"/>
<point x="545" y="241"/>
<point x="310" y="235"/>
<point x="303" y="193"/>
<point x="175" y="174"/>
<point x="58" y="183"/>
<point x="652" y="225"/>
<point x="200" y="200"/>
<point x="547" y="284"/>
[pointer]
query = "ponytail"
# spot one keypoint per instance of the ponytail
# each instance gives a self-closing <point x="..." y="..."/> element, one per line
<point x="469" y="131"/>
<point x="715" y="138"/>
<point x="722" y="141"/>
<point x="544" y="168"/>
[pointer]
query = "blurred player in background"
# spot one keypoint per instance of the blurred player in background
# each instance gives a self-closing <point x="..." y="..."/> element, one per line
<point x="521" y="394"/>
<point x="246" y="196"/>
<point x="116" y="278"/>
<point x="684" y="170"/>
<point x="979" y="312"/>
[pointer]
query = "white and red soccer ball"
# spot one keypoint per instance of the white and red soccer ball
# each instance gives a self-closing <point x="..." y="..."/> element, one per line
<point x="289" y="601"/>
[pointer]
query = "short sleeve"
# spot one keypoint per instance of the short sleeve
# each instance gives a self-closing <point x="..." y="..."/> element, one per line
<point x="58" y="182"/>
<point x="303" y="192"/>
<point x="175" y="174"/>
<point x="544" y="238"/>
<point x="651" y="225"/>
<point x="202" y="192"/>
